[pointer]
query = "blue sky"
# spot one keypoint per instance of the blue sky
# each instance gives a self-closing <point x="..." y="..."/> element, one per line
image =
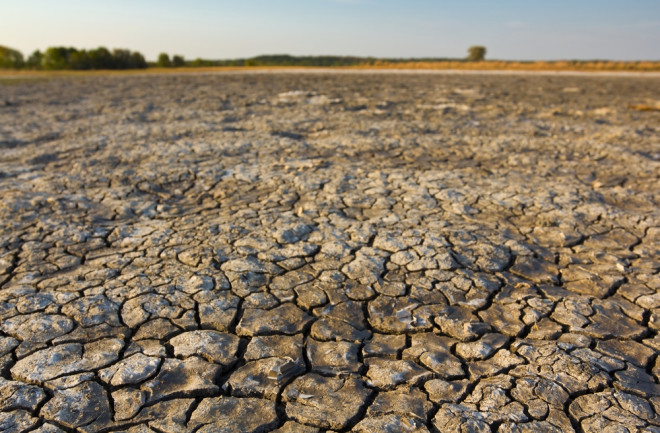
<point x="510" y="29"/>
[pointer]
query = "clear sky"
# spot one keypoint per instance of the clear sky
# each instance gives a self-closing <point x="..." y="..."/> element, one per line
<point x="222" y="29"/>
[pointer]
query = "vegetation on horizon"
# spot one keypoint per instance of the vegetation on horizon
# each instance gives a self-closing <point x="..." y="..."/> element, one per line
<point x="69" y="58"/>
<point x="476" y="53"/>
<point x="63" y="58"/>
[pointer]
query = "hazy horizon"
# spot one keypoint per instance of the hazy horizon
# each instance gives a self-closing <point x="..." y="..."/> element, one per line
<point x="511" y="30"/>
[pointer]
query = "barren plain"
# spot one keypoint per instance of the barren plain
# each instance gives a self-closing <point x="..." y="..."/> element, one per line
<point x="330" y="252"/>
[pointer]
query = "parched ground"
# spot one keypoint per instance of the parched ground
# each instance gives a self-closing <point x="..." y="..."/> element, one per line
<point x="330" y="252"/>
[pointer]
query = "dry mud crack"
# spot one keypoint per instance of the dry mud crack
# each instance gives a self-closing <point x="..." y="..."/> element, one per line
<point x="309" y="253"/>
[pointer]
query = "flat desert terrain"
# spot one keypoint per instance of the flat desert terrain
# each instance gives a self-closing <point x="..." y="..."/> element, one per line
<point x="316" y="252"/>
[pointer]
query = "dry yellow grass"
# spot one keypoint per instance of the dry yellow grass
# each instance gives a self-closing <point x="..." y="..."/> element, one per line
<point x="494" y="65"/>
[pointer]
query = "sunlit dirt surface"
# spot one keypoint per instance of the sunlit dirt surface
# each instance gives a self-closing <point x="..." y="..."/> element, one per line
<point x="330" y="252"/>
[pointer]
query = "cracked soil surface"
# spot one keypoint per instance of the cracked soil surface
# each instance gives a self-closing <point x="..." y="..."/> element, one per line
<point x="329" y="252"/>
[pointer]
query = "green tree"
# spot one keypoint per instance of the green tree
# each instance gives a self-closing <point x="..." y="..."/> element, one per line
<point x="10" y="58"/>
<point x="178" y="61"/>
<point x="79" y="60"/>
<point x="164" y="60"/>
<point x="35" y="59"/>
<point x="137" y="60"/>
<point x="121" y="59"/>
<point x="101" y="58"/>
<point x="476" y="53"/>
<point x="57" y="58"/>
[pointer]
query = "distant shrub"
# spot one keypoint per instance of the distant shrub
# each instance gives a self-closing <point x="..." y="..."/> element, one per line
<point x="476" y="53"/>
<point x="34" y="61"/>
<point x="10" y="58"/>
<point x="125" y="59"/>
<point x="178" y="61"/>
<point x="164" y="60"/>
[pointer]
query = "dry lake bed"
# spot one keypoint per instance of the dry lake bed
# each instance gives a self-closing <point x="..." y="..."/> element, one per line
<point x="325" y="252"/>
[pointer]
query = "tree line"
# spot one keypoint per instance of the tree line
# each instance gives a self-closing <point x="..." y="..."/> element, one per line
<point x="56" y="58"/>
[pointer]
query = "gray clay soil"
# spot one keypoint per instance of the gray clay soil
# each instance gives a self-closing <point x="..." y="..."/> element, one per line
<point x="329" y="252"/>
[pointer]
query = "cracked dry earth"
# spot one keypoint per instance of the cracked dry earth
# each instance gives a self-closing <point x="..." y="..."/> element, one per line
<point x="329" y="252"/>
